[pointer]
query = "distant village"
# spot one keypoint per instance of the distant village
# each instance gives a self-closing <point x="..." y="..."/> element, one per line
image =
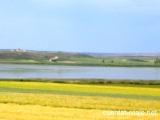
<point x="18" y="50"/>
<point x="51" y="59"/>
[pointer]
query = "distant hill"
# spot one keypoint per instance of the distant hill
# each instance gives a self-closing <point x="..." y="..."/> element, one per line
<point x="40" y="55"/>
<point x="20" y="56"/>
<point x="37" y="55"/>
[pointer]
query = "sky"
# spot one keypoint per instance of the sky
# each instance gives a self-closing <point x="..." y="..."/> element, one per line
<point x="108" y="26"/>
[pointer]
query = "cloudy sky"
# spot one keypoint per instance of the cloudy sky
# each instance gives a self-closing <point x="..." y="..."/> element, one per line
<point x="81" y="25"/>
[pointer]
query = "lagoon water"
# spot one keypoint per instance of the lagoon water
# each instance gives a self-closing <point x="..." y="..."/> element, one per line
<point x="53" y="71"/>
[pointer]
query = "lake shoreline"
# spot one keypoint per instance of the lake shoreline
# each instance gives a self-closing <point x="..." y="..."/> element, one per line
<point x="84" y="64"/>
<point x="91" y="81"/>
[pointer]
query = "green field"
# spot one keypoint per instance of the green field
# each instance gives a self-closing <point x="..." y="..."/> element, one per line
<point x="60" y="101"/>
<point x="87" y="61"/>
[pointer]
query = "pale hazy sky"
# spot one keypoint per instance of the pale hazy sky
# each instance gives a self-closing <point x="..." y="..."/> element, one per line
<point x="81" y="25"/>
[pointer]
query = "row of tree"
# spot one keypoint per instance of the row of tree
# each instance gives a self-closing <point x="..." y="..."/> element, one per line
<point x="156" y="61"/>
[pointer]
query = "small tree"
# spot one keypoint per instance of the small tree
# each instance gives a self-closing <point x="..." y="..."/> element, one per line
<point x="103" y="61"/>
<point x="112" y="61"/>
